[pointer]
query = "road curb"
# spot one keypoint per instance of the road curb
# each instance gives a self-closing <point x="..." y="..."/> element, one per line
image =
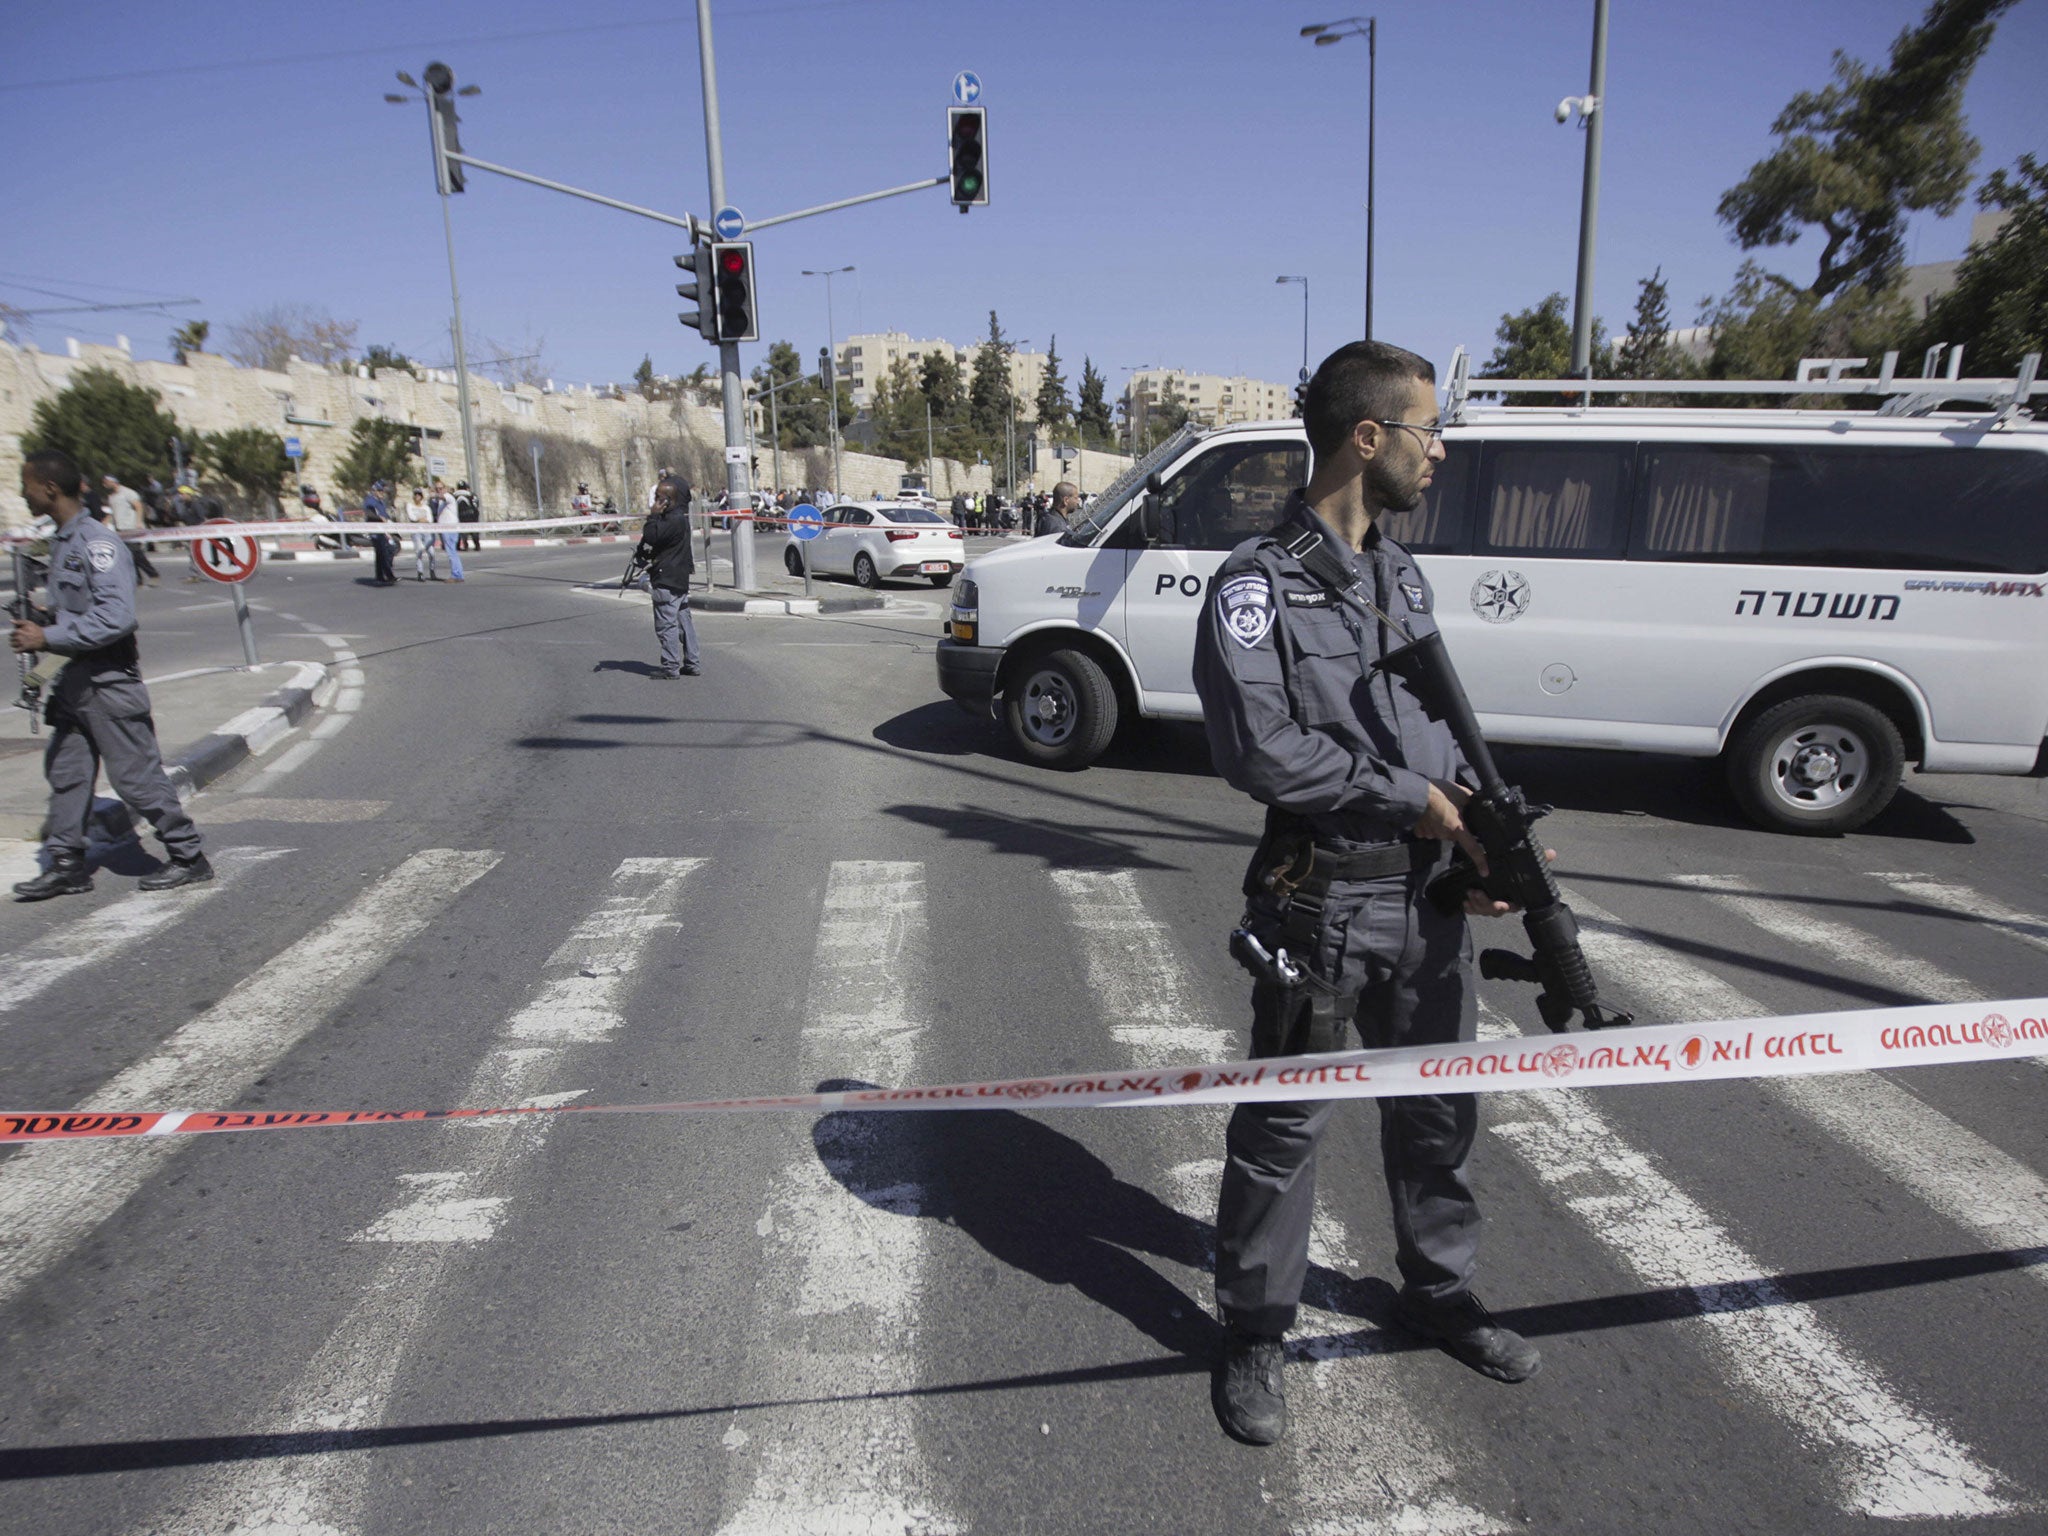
<point x="250" y="734"/>
<point x="752" y="602"/>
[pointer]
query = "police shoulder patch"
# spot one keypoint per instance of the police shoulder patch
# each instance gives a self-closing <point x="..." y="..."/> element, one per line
<point x="1418" y="600"/>
<point x="101" y="556"/>
<point x="1245" y="605"/>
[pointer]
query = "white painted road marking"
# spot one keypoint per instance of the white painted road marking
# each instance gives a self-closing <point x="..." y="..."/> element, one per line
<point x="93" y="940"/>
<point x="1131" y="970"/>
<point x="1961" y="1175"/>
<point x="347" y="1385"/>
<point x="51" y="1197"/>
<point x="2027" y="927"/>
<point x="844" y="1250"/>
<point x="1889" y="1461"/>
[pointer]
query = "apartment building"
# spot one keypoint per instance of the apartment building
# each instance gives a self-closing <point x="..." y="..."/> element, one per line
<point x="866" y="358"/>
<point x="1215" y="400"/>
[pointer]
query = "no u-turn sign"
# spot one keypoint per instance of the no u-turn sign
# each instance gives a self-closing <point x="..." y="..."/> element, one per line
<point x="227" y="557"/>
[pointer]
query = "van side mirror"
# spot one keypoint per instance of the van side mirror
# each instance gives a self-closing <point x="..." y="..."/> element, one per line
<point x="1149" y="517"/>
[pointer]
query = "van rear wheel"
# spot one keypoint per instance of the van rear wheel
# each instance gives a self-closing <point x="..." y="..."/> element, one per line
<point x="1819" y="765"/>
<point x="1061" y="709"/>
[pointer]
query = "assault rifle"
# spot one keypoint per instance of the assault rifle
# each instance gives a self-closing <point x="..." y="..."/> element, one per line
<point x="31" y="695"/>
<point x="1497" y="814"/>
<point x="635" y="569"/>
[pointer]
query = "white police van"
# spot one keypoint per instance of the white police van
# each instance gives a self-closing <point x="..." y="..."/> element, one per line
<point x="1816" y="596"/>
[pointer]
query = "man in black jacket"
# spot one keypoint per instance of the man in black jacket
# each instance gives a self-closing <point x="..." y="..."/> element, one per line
<point x="665" y="551"/>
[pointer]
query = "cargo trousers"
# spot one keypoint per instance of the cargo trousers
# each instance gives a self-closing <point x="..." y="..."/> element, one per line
<point x="1410" y="966"/>
<point x="105" y="721"/>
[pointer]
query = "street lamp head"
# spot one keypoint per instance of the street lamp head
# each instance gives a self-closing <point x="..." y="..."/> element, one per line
<point x="405" y="79"/>
<point x="1316" y="28"/>
<point x="1327" y="39"/>
<point x="471" y="90"/>
<point x="394" y="96"/>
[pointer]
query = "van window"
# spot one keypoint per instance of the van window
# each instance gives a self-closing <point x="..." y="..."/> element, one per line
<point x="1439" y="524"/>
<point x="1231" y="494"/>
<point x="1951" y="509"/>
<point x="1554" y="500"/>
<point x="1702" y="504"/>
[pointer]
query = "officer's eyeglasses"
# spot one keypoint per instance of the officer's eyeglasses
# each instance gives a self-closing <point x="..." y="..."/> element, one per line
<point x="1431" y="430"/>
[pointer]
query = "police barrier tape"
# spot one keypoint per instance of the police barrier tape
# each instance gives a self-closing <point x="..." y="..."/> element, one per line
<point x="1793" y="1046"/>
<point x="326" y="528"/>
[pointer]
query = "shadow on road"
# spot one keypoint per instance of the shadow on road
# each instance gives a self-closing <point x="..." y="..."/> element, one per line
<point x="1059" y="844"/>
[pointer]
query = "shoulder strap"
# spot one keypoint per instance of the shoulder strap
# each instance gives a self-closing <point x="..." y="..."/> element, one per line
<point x="1309" y="547"/>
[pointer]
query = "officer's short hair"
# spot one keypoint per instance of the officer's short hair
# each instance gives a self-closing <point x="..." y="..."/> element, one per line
<point x="1361" y="381"/>
<point x="56" y="469"/>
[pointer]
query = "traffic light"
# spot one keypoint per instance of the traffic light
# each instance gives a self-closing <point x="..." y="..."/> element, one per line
<point x="732" y="289"/>
<point x="697" y="262"/>
<point x="967" y="147"/>
<point x="1301" y="396"/>
<point x="441" y="94"/>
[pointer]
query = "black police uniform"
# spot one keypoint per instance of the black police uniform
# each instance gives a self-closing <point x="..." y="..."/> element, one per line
<point x="665" y="550"/>
<point x="1343" y="756"/>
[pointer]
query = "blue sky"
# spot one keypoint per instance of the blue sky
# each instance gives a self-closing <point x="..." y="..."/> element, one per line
<point x="1154" y="166"/>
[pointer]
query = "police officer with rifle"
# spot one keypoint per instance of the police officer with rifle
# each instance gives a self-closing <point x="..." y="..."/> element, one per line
<point x="664" y="553"/>
<point x="1312" y="659"/>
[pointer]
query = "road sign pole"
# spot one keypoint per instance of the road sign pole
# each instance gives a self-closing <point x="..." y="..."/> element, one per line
<point x="738" y="483"/>
<point x="803" y="553"/>
<point x="244" y="625"/>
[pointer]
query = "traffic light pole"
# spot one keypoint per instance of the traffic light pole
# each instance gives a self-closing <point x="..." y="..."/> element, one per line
<point x="475" y="476"/>
<point x="737" y="480"/>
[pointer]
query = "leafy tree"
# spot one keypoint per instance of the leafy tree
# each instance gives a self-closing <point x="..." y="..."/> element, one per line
<point x="1055" y="411"/>
<point x="1093" y="418"/>
<point x="643" y="376"/>
<point x="1763" y="328"/>
<point x="897" y="414"/>
<point x="269" y="338"/>
<point x="378" y="449"/>
<point x="1536" y="343"/>
<point x="1998" y="309"/>
<point x="189" y="338"/>
<point x="251" y="459"/>
<point x="939" y="379"/>
<point x="801" y="406"/>
<point x="701" y="387"/>
<point x="381" y="358"/>
<point x="1167" y="415"/>
<point x="989" y="396"/>
<point x="1856" y="157"/>
<point x="1647" y="351"/>
<point x="111" y="427"/>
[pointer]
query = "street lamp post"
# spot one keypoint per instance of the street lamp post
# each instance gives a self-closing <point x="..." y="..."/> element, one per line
<point x="831" y="368"/>
<point x="1592" y="110"/>
<point x="1367" y="27"/>
<point x="475" y="475"/>
<point x="1304" y="321"/>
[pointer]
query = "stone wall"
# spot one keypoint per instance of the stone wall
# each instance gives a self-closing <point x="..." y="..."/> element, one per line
<point x="614" y="443"/>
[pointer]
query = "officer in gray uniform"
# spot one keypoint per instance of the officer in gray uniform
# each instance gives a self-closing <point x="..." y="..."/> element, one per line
<point x="1362" y="796"/>
<point x="99" y="710"/>
<point x="665" y="551"/>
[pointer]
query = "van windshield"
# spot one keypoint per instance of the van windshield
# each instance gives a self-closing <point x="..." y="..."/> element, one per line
<point x="1112" y="501"/>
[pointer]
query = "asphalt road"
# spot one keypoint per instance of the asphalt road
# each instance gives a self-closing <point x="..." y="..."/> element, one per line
<point x="521" y="870"/>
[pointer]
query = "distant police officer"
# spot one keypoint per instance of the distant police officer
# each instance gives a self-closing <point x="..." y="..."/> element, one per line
<point x="1362" y="797"/>
<point x="99" y="710"/>
<point x="665" y="551"/>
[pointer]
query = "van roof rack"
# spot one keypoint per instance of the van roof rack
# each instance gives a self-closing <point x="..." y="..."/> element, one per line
<point x="1817" y="376"/>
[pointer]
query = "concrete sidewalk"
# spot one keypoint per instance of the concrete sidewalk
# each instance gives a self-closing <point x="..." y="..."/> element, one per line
<point x="207" y="721"/>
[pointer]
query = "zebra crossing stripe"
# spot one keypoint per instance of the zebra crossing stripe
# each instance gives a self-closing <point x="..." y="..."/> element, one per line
<point x="347" y="1385"/>
<point x="840" y="1286"/>
<point x="1888" y="1461"/>
<point x="1960" y="899"/>
<point x="47" y="959"/>
<point x="1957" y="1172"/>
<point x="48" y="1205"/>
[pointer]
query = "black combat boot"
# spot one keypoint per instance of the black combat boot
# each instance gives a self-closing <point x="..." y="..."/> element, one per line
<point x="1468" y="1333"/>
<point x="1245" y="1389"/>
<point x="176" y="873"/>
<point x="66" y="876"/>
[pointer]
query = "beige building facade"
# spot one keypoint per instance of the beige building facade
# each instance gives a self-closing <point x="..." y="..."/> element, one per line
<point x="1213" y="399"/>
<point x="865" y="359"/>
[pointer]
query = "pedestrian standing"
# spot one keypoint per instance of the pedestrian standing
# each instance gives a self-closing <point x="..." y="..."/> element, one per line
<point x="665" y="550"/>
<point x="123" y="508"/>
<point x="382" y="545"/>
<point x="447" y="516"/>
<point x="99" y="710"/>
<point x="423" y="544"/>
<point x="1058" y="514"/>
<point x="469" y="513"/>
<point x="1361" y="785"/>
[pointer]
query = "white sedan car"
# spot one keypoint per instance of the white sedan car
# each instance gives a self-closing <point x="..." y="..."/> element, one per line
<point x="878" y="541"/>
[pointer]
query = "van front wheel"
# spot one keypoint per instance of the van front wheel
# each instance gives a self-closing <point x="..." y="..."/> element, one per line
<point x="1061" y="709"/>
<point x="1817" y="765"/>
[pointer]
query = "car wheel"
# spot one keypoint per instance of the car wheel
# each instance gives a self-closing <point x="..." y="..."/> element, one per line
<point x="943" y="581"/>
<point x="1061" y="709"/>
<point x="864" y="571"/>
<point x="1818" y="765"/>
<point x="792" y="561"/>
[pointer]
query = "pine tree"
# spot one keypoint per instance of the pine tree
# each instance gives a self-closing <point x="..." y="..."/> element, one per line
<point x="1644" y="351"/>
<point x="989" y="396"/>
<point x="1098" y="429"/>
<point x="1054" y="409"/>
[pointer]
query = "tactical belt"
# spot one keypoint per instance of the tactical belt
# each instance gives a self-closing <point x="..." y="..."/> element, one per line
<point x="1372" y="863"/>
